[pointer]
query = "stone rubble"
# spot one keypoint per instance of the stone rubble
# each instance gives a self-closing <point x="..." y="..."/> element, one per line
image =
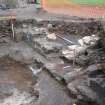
<point x="18" y="98"/>
<point x="89" y="41"/>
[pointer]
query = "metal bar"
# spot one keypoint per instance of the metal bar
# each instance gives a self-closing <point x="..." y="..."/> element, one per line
<point x="66" y="67"/>
<point x="74" y="58"/>
<point x="13" y="32"/>
<point x="65" y="39"/>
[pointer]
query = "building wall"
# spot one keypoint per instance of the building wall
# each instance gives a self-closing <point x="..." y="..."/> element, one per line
<point x="9" y="2"/>
<point x="14" y="3"/>
<point x="17" y="3"/>
<point x="22" y="3"/>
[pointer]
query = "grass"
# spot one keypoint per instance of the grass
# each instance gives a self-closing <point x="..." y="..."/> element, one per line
<point x="56" y="2"/>
<point x="89" y="2"/>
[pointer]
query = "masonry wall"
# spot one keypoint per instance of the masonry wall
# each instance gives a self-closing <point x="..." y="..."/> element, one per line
<point x="14" y="3"/>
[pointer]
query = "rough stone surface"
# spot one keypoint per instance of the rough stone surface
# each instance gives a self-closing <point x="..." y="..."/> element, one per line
<point x="16" y="83"/>
<point x="82" y="60"/>
<point x="47" y="46"/>
<point x="22" y="52"/>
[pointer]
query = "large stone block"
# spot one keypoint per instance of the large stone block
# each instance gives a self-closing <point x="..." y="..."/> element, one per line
<point x="22" y="52"/>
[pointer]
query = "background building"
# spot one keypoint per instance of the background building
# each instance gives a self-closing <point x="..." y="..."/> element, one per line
<point x="16" y="3"/>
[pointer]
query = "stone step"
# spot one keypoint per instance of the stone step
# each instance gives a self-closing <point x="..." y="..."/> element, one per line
<point x="58" y="70"/>
<point x="47" y="46"/>
<point x="79" y="88"/>
<point x="98" y="84"/>
<point x="87" y="92"/>
<point x="74" y="74"/>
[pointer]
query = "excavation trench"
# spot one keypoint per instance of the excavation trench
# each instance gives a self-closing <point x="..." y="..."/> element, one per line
<point x="31" y="48"/>
<point x="15" y="73"/>
<point x="17" y="82"/>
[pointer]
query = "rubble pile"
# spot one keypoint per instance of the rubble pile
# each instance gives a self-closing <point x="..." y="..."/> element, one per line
<point x="80" y="28"/>
<point x="79" y="82"/>
<point x="18" y="98"/>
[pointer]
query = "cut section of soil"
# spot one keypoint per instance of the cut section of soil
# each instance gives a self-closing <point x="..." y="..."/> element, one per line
<point x="14" y="74"/>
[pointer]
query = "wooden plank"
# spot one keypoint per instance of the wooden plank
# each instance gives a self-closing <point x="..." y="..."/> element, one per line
<point x="7" y="17"/>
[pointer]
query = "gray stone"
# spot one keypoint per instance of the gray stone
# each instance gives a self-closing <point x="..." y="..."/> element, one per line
<point x="72" y="89"/>
<point x="18" y="35"/>
<point x="89" y="41"/>
<point x="4" y="50"/>
<point x="70" y="76"/>
<point x="47" y="46"/>
<point x="6" y="90"/>
<point x="82" y="60"/>
<point x="98" y="84"/>
<point x="92" y="68"/>
<point x="22" y="52"/>
<point x="56" y="69"/>
<point x="87" y="92"/>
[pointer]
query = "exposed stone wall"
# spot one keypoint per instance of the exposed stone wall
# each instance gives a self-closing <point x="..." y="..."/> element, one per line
<point x="10" y="3"/>
<point x="14" y="3"/>
<point x="22" y="3"/>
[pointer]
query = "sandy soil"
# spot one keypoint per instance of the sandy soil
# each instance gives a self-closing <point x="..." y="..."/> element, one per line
<point x="16" y="83"/>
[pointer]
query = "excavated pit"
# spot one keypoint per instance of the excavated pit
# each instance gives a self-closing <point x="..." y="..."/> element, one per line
<point x="16" y="83"/>
<point x="15" y="73"/>
<point x="16" y="76"/>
